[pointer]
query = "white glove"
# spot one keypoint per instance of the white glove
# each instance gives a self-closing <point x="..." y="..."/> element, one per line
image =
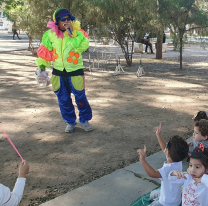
<point x="42" y="77"/>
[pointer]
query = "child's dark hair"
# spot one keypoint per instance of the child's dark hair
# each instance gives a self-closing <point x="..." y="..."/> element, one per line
<point x="177" y="148"/>
<point x="200" y="115"/>
<point x="204" y="159"/>
<point x="203" y="126"/>
<point x="200" y="155"/>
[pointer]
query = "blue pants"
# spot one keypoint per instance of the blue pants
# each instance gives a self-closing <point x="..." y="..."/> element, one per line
<point x="67" y="86"/>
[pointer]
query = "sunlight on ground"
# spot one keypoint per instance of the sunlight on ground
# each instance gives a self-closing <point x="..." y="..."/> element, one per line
<point x="182" y="129"/>
<point x="200" y="55"/>
<point x="172" y="98"/>
<point x="95" y="150"/>
<point x="199" y="64"/>
<point x="171" y="61"/>
<point x="177" y="84"/>
<point x="159" y="61"/>
<point x="75" y="157"/>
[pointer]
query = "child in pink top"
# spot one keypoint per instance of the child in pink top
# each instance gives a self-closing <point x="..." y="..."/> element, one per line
<point x="195" y="180"/>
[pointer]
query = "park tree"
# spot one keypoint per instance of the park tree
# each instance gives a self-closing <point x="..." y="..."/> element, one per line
<point x="124" y="21"/>
<point x="12" y="8"/>
<point x="34" y="14"/>
<point x="178" y="14"/>
<point x="37" y="13"/>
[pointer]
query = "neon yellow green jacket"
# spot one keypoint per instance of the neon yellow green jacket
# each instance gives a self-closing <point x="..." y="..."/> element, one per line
<point x="63" y="49"/>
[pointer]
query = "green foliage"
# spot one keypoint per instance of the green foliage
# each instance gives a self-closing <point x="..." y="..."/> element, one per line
<point x="118" y="19"/>
<point x="176" y="42"/>
<point x="12" y="8"/>
<point x="123" y="16"/>
<point x="179" y="13"/>
<point x="34" y="17"/>
<point x="124" y="20"/>
<point x="35" y="14"/>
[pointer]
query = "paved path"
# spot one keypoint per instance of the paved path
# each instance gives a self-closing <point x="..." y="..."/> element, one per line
<point x="8" y="44"/>
<point x="120" y="188"/>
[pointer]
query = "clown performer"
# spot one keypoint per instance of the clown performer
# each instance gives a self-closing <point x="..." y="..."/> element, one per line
<point x="63" y="44"/>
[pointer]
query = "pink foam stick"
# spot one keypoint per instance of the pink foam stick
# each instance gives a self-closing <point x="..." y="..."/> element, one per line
<point x="4" y="132"/>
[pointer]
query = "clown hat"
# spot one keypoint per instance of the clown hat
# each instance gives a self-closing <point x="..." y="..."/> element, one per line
<point x="61" y="12"/>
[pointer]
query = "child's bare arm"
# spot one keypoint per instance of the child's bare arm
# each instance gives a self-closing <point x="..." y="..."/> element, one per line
<point x="148" y="169"/>
<point x="179" y="174"/>
<point x="159" y="138"/>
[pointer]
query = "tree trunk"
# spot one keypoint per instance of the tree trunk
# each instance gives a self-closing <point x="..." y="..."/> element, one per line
<point x="159" y="49"/>
<point x="127" y="48"/>
<point x="159" y="45"/>
<point x="181" y="50"/>
<point x="128" y="58"/>
<point x="30" y="42"/>
<point x="67" y="4"/>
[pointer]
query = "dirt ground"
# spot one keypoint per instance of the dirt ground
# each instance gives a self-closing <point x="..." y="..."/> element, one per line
<point x="125" y="110"/>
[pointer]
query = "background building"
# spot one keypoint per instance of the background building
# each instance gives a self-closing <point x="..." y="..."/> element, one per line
<point x="4" y="23"/>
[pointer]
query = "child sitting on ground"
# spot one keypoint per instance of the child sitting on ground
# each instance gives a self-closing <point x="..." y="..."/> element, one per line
<point x="175" y="150"/>
<point x="195" y="180"/>
<point x="200" y="134"/>
<point x="13" y="198"/>
<point x="197" y="117"/>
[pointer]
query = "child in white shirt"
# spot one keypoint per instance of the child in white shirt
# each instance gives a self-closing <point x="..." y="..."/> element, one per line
<point x="8" y="198"/>
<point x="195" y="180"/>
<point x="175" y="150"/>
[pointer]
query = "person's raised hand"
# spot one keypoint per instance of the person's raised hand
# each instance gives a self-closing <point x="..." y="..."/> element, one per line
<point x="158" y="130"/>
<point x="197" y="180"/>
<point x="142" y="153"/>
<point x="23" y="169"/>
